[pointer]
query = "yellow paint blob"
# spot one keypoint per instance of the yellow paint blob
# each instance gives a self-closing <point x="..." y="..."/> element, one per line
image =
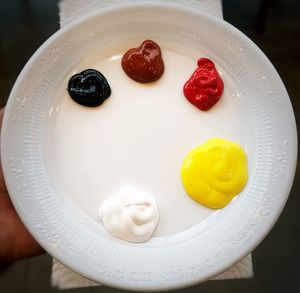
<point x="215" y="172"/>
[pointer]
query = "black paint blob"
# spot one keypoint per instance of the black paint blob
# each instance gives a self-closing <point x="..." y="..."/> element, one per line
<point x="89" y="88"/>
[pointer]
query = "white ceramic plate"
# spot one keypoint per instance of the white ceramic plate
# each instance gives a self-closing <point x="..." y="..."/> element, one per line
<point x="62" y="160"/>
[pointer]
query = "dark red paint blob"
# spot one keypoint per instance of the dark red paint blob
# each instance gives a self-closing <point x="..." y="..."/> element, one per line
<point x="144" y="64"/>
<point x="205" y="86"/>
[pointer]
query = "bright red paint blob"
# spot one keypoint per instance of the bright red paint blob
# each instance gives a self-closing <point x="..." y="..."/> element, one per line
<point x="205" y="86"/>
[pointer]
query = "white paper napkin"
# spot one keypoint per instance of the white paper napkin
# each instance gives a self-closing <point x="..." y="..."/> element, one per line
<point x="62" y="277"/>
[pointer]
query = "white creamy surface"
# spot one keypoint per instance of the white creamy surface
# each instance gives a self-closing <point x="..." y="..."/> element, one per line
<point x="138" y="137"/>
<point x="131" y="215"/>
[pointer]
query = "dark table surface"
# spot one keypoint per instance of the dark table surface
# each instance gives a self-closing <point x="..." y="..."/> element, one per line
<point x="275" y="27"/>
